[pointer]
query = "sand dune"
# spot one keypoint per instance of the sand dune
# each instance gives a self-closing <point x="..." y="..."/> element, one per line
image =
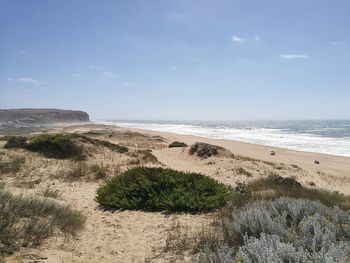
<point x="134" y="236"/>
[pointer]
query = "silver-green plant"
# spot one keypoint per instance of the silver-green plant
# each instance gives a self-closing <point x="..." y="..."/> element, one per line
<point x="284" y="230"/>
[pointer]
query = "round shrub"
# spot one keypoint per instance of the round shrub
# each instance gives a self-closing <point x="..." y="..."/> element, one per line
<point x="158" y="189"/>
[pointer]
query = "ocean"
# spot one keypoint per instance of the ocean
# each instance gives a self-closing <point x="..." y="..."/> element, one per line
<point x="330" y="137"/>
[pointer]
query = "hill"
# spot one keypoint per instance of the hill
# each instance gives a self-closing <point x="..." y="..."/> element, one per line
<point x="24" y="117"/>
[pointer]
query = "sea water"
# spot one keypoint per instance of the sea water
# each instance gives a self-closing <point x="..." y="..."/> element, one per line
<point x="330" y="137"/>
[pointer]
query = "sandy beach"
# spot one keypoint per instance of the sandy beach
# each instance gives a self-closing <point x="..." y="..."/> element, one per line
<point x="135" y="236"/>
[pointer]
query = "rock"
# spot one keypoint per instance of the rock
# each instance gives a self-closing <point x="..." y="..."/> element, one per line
<point x="317" y="162"/>
<point x="272" y="153"/>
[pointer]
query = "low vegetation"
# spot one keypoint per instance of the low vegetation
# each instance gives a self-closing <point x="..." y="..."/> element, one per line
<point x="28" y="221"/>
<point x="273" y="219"/>
<point x="75" y="172"/>
<point x="242" y="171"/>
<point x="99" y="171"/>
<point x="12" y="164"/>
<point x="203" y="150"/>
<point x="49" y="192"/>
<point x="142" y="157"/>
<point x="83" y="171"/>
<point x="15" y="142"/>
<point x="4" y="138"/>
<point x="158" y="189"/>
<point x="282" y="230"/>
<point x="275" y="186"/>
<point x="177" y="144"/>
<point x="107" y="144"/>
<point x="60" y="146"/>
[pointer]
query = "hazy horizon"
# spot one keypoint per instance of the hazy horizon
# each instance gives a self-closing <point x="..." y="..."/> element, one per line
<point x="183" y="60"/>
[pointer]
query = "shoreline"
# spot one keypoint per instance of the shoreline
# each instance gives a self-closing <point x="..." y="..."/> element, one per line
<point x="231" y="140"/>
<point x="287" y="136"/>
<point x="330" y="167"/>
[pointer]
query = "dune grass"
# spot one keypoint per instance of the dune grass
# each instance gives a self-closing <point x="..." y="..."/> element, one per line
<point x="50" y="192"/>
<point x="158" y="189"/>
<point x="27" y="221"/>
<point x="109" y="145"/>
<point x="12" y="165"/>
<point x="275" y="186"/>
<point x="99" y="171"/>
<point x="112" y="146"/>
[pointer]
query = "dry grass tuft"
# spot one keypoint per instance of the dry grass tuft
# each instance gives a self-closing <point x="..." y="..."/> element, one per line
<point x="99" y="171"/>
<point x="49" y="192"/>
<point x="142" y="157"/>
<point x="242" y="171"/>
<point x="13" y="164"/>
<point x="27" y="221"/>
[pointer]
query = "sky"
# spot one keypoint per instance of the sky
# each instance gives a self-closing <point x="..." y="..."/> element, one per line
<point x="178" y="60"/>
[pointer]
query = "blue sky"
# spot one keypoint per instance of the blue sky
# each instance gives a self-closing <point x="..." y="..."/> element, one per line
<point x="184" y="59"/>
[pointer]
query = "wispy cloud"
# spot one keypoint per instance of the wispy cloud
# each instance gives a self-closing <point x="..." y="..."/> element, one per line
<point x="293" y="56"/>
<point x="23" y="52"/>
<point x="338" y="43"/>
<point x="107" y="73"/>
<point x="28" y="80"/>
<point x="103" y="70"/>
<point x="237" y="39"/>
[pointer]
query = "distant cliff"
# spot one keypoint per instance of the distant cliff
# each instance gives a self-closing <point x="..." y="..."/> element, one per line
<point x="24" y="117"/>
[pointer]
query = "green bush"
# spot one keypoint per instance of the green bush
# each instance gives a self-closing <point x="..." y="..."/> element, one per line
<point x="177" y="144"/>
<point x="14" y="142"/>
<point x="58" y="146"/>
<point x="158" y="189"/>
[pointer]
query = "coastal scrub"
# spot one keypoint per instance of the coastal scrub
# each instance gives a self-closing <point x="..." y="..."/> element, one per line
<point x="158" y="189"/>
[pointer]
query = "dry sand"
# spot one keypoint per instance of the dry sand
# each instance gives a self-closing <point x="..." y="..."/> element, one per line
<point x="133" y="236"/>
